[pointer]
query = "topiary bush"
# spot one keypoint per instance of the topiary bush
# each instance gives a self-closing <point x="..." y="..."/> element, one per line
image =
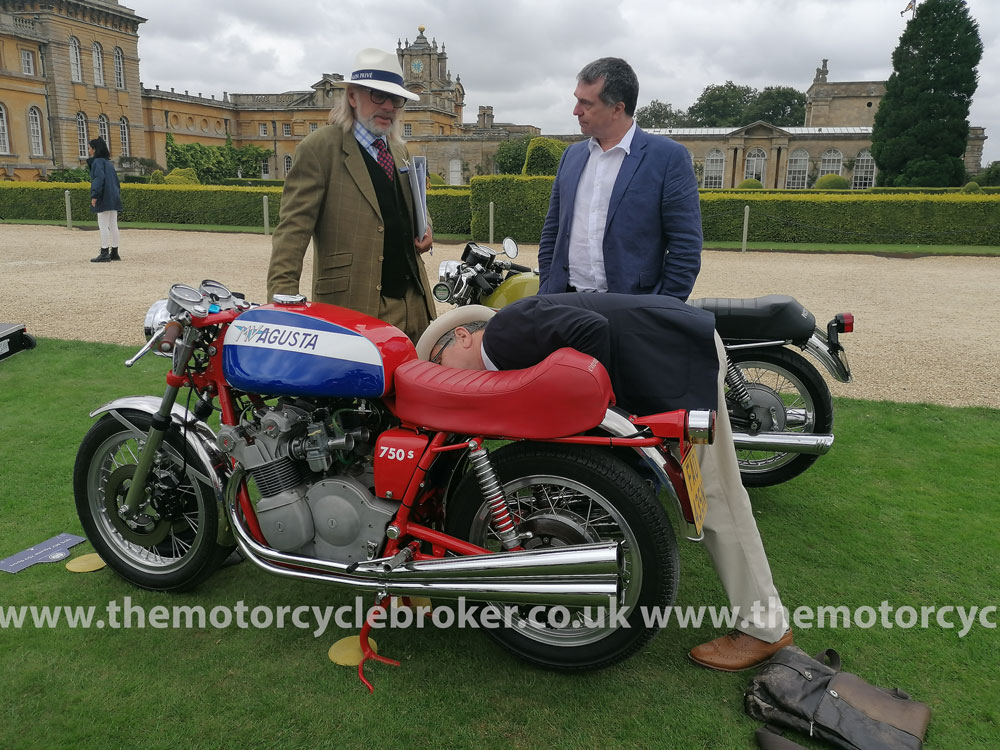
<point x="972" y="187"/>
<point x="449" y="210"/>
<point x="182" y="176"/>
<point x="436" y="179"/>
<point x="156" y="178"/>
<point x="832" y="182"/>
<point x="543" y="156"/>
<point x="750" y="184"/>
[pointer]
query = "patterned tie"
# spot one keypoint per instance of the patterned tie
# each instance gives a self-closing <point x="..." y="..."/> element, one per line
<point x="385" y="159"/>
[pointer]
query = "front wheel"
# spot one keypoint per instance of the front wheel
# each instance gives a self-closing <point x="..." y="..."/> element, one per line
<point x="171" y="544"/>
<point x="789" y="395"/>
<point x="566" y="496"/>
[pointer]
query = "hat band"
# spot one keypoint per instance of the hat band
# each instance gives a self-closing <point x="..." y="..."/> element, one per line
<point x="377" y="75"/>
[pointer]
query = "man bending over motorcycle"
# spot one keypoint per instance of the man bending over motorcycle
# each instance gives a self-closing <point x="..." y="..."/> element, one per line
<point x="661" y="355"/>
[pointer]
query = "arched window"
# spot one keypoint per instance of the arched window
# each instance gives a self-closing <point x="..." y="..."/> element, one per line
<point x="81" y="134"/>
<point x="35" y="132"/>
<point x="831" y="163"/>
<point x="98" y="54"/>
<point x="864" y="171"/>
<point x="126" y="148"/>
<point x="104" y="129"/>
<point x="4" y="139"/>
<point x="756" y="165"/>
<point x="798" y="169"/>
<point x="715" y="167"/>
<point x="119" y="68"/>
<point x="288" y="163"/>
<point x="75" y="69"/>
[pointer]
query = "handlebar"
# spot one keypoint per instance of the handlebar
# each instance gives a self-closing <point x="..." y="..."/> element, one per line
<point x="519" y="269"/>
<point x="171" y="331"/>
<point x="482" y="284"/>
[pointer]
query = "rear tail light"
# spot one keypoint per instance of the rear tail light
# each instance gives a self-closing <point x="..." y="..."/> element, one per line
<point x="845" y="322"/>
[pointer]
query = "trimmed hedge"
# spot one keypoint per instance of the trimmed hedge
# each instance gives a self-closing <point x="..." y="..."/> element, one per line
<point x="249" y="182"/>
<point x="954" y="219"/>
<point x="520" y="205"/>
<point x="543" y="156"/>
<point x="154" y="204"/>
<point x="449" y="210"/>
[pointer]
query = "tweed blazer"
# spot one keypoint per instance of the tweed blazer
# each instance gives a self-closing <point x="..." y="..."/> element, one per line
<point x="329" y="197"/>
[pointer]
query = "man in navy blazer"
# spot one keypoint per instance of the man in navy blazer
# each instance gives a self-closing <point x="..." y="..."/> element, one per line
<point x="624" y="215"/>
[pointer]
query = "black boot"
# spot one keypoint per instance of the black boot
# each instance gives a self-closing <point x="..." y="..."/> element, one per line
<point x="114" y="254"/>
<point x="102" y="258"/>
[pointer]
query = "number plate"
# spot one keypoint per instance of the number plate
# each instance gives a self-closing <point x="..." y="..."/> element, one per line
<point x="696" y="492"/>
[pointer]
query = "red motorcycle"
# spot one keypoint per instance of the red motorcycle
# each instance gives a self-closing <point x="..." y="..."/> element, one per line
<point x="341" y="458"/>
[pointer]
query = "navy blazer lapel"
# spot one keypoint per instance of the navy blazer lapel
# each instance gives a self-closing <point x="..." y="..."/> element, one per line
<point x="356" y="168"/>
<point x="627" y="171"/>
<point x="570" y="179"/>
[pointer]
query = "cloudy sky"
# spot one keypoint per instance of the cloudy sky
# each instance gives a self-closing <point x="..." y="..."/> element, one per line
<point x="521" y="56"/>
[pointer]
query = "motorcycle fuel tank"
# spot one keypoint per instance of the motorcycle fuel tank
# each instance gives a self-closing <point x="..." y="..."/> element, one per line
<point x="313" y="349"/>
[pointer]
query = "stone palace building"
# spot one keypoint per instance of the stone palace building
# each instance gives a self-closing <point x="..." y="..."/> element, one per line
<point x="69" y="71"/>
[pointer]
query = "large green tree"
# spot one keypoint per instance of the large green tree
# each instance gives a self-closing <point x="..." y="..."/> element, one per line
<point x="659" y="114"/>
<point x="779" y="105"/>
<point x="509" y="158"/>
<point x="721" y="105"/>
<point x="922" y="125"/>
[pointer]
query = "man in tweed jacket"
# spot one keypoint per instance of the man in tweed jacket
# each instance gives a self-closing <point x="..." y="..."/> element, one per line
<point x="348" y="191"/>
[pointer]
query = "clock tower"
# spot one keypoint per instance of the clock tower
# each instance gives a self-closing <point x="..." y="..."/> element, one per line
<point x="425" y="73"/>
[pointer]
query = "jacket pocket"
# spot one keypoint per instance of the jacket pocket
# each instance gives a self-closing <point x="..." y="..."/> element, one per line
<point x="327" y="286"/>
<point x="340" y="260"/>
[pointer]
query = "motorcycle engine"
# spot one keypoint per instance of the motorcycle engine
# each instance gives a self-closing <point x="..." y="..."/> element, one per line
<point x="315" y="478"/>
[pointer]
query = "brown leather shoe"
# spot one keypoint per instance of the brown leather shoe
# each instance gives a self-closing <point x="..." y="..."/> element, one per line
<point x="737" y="651"/>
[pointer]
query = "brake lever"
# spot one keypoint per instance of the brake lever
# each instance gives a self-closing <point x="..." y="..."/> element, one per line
<point x="153" y="341"/>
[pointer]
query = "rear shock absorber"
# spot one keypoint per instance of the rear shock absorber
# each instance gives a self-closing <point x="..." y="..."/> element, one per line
<point x="738" y="388"/>
<point x="502" y="522"/>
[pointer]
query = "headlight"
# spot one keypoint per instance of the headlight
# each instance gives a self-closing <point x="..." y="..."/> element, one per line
<point x="448" y="269"/>
<point x="156" y="316"/>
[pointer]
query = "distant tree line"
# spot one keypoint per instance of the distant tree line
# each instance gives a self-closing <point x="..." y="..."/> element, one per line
<point x="728" y="105"/>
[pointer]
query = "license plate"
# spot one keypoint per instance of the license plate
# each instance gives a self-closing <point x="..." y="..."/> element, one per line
<point x="696" y="492"/>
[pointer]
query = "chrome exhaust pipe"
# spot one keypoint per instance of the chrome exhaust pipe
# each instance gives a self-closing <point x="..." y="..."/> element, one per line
<point x="784" y="442"/>
<point x="585" y="575"/>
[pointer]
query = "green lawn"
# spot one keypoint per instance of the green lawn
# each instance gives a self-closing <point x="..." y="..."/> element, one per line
<point x="904" y="509"/>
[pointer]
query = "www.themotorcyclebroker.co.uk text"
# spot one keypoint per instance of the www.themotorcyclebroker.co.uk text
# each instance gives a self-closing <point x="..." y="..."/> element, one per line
<point x="318" y="619"/>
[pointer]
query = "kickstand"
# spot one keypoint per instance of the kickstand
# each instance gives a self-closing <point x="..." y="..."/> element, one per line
<point x="366" y="649"/>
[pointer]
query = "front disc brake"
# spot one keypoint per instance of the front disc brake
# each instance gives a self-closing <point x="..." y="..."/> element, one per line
<point x="142" y="529"/>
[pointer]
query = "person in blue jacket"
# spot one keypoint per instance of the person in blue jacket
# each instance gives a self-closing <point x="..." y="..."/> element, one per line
<point x="105" y="198"/>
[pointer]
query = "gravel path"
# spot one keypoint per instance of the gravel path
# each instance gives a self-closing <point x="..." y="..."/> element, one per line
<point x="927" y="328"/>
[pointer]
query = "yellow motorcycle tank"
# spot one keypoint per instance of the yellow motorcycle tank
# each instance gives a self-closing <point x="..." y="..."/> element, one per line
<point x="516" y="287"/>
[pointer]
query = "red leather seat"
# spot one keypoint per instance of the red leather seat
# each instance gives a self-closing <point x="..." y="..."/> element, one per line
<point x="566" y="393"/>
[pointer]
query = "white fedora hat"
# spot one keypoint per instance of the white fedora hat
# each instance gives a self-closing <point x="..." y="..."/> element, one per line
<point x="460" y="316"/>
<point x="379" y="70"/>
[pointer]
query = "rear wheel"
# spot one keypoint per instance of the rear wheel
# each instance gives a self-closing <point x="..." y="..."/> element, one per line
<point x="171" y="544"/>
<point x="567" y="496"/>
<point x="789" y="395"/>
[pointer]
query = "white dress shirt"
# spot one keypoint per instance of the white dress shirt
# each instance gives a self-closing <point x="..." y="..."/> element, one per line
<point x="590" y="214"/>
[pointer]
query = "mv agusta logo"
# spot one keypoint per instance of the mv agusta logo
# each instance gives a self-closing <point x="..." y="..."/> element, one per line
<point x="279" y="336"/>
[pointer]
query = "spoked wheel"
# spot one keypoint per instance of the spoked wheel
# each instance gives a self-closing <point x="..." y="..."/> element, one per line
<point x="170" y="544"/>
<point x="789" y="395"/>
<point x="564" y="497"/>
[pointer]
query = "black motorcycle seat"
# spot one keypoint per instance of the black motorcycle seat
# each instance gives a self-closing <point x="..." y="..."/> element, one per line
<point x="771" y="318"/>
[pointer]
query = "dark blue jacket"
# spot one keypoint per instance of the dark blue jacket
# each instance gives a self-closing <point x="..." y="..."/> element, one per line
<point x="652" y="239"/>
<point x="104" y="186"/>
<point x="659" y="352"/>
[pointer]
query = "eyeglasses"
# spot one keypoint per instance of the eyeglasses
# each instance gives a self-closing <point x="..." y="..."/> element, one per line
<point x="379" y="97"/>
<point x="449" y="339"/>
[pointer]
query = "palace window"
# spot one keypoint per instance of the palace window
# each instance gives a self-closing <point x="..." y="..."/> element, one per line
<point x="864" y="171"/>
<point x="75" y="68"/>
<point x="756" y="165"/>
<point x="798" y="170"/>
<point x="265" y="169"/>
<point x="715" y="167"/>
<point x="98" y="55"/>
<point x="288" y="163"/>
<point x="81" y="134"/>
<point x="35" y="132"/>
<point x="27" y="62"/>
<point x="313" y="126"/>
<point x="4" y="140"/>
<point x="119" y="68"/>
<point x="104" y="129"/>
<point x="831" y="163"/>
<point x="407" y="130"/>
<point x="286" y="128"/>
<point x="126" y="148"/>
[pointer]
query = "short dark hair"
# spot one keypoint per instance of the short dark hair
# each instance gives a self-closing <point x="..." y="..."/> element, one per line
<point x="620" y="81"/>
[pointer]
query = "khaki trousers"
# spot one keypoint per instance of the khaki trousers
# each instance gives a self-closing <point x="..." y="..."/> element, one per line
<point x="731" y="536"/>
<point x="408" y="314"/>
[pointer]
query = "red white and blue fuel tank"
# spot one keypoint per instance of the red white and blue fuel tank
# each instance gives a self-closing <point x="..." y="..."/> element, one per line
<point x="313" y="349"/>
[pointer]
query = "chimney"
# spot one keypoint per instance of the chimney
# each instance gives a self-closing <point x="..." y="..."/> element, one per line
<point x="485" y="120"/>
